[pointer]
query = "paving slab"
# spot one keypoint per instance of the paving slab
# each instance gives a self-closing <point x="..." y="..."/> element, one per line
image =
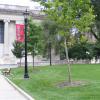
<point x="7" y="92"/>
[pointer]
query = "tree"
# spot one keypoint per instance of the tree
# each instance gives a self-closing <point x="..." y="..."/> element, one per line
<point x="69" y="14"/>
<point x="95" y="28"/>
<point x="81" y="51"/>
<point x="50" y="31"/>
<point x="96" y="50"/>
<point x="34" y="38"/>
<point x="18" y="50"/>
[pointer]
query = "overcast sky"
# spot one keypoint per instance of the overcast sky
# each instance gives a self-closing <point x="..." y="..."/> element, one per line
<point x="30" y="3"/>
<point x="15" y="2"/>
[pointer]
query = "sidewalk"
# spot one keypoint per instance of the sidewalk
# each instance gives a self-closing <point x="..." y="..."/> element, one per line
<point x="7" y="92"/>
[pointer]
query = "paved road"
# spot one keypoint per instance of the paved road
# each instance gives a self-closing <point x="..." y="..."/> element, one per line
<point x="7" y="92"/>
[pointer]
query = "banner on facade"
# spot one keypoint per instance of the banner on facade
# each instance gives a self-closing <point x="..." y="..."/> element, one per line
<point x="20" y="32"/>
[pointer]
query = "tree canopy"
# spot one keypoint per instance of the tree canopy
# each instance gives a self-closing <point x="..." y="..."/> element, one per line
<point x="95" y="29"/>
<point x="34" y="38"/>
<point x="70" y="14"/>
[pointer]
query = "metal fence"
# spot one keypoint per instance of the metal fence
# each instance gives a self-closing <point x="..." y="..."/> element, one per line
<point x="46" y="63"/>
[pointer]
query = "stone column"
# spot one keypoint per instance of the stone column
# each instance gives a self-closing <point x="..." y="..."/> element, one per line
<point x="6" y="37"/>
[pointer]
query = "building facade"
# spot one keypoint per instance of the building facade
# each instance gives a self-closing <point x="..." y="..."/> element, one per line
<point x="11" y="27"/>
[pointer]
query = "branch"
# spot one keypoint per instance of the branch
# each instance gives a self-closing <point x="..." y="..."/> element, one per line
<point x="95" y="34"/>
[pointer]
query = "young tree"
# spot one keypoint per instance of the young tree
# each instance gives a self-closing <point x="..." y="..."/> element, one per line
<point x="18" y="49"/>
<point x="69" y="14"/>
<point x="34" y="38"/>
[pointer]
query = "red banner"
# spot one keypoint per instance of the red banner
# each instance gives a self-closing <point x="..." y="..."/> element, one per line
<point x="20" y="32"/>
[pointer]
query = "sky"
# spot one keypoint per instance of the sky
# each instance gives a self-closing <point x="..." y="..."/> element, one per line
<point x="15" y="2"/>
<point x="33" y="5"/>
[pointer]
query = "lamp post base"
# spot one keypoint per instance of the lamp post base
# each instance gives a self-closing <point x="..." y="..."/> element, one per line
<point x="26" y="76"/>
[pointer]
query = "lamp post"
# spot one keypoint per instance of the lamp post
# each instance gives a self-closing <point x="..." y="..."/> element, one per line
<point x="26" y="13"/>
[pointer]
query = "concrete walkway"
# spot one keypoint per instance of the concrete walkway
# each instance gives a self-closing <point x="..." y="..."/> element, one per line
<point x="7" y="92"/>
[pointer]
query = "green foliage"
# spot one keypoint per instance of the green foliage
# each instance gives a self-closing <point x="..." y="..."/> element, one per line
<point x="50" y="29"/>
<point x="70" y="14"/>
<point x="96" y="50"/>
<point x="18" y="48"/>
<point x="75" y="43"/>
<point x="96" y="6"/>
<point x="34" y="37"/>
<point x="83" y="38"/>
<point x="95" y="29"/>
<point x="81" y="51"/>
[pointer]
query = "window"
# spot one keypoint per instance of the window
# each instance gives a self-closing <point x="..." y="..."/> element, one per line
<point x="1" y="32"/>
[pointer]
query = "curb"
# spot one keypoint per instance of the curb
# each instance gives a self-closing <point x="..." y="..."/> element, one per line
<point x="19" y="90"/>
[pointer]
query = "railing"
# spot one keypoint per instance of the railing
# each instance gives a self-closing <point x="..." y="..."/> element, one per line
<point x="45" y="63"/>
<point x="58" y="62"/>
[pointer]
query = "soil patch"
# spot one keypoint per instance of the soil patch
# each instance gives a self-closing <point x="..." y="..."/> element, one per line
<point x="72" y="84"/>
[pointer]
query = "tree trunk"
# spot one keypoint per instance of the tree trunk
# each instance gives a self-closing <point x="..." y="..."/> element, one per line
<point x="68" y="62"/>
<point x="33" y="61"/>
<point x="50" y="53"/>
<point x="20" y="62"/>
<point x="33" y="58"/>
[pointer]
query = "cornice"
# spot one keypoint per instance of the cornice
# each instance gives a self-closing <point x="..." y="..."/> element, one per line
<point x="19" y="10"/>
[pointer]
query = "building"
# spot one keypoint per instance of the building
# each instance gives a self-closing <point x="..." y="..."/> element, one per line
<point x="12" y="26"/>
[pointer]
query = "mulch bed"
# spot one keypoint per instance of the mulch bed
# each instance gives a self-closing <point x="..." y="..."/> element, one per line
<point x="72" y="84"/>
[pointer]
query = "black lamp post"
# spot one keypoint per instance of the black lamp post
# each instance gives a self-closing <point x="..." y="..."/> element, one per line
<point x="26" y="13"/>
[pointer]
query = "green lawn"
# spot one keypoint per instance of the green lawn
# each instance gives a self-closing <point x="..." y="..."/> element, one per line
<point x="43" y="81"/>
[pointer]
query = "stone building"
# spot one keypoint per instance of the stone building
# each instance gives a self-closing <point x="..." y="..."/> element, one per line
<point x="11" y="27"/>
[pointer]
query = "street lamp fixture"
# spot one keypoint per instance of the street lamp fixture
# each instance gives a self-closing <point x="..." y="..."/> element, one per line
<point x="26" y="14"/>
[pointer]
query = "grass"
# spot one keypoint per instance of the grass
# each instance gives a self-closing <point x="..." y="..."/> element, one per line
<point x="43" y="81"/>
